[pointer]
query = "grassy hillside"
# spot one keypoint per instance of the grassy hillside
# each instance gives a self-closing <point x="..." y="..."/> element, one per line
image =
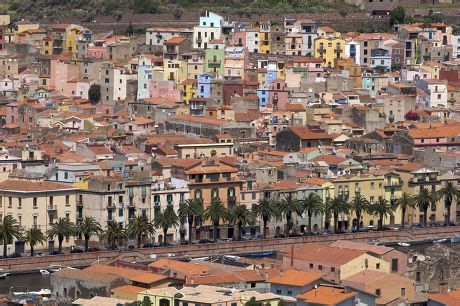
<point x="87" y="9"/>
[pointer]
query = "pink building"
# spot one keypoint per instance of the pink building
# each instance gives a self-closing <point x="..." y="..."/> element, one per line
<point x="64" y="77"/>
<point x="98" y="51"/>
<point x="239" y="39"/>
<point x="164" y="89"/>
<point x="293" y="42"/>
<point x="278" y="95"/>
<point x="236" y="59"/>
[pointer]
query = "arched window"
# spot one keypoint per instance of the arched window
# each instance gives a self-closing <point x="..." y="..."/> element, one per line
<point x="213" y="153"/>
<point x="230" y="192"/>
<point x="198" y="194"/>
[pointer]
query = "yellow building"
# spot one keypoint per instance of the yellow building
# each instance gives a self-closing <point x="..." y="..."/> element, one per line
<point x="188" y="89"/>
<point x="328" y="49"/>
<point x="174" y="70"/>
<point x="265" y="37"/>
<point x="37" y="204"/>
<point x="372" y="188"/>
<point x="433" y="67"/>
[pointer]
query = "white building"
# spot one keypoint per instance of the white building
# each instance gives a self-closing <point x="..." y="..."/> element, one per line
<point x="157" y="36"/>
<point x="252" y="40"/>
<point x="436" y="92"/>
<point x="210" y="28"/>
<point x="455" y="46"/>
<point x="353" y="50"/>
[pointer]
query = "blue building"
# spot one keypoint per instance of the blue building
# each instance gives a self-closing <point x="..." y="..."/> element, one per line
<point x="204" y="85"/>
<point x="263" y="97"/>
<point x="368" y="83"/>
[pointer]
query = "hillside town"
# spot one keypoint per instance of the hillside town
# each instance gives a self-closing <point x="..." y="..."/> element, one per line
<point x="278" y="162"/>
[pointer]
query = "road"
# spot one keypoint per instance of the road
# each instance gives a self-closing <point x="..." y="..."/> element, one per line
<point x="238" y="247"/>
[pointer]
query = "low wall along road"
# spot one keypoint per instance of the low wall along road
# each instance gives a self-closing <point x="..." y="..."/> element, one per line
<point x="24" y="264"/>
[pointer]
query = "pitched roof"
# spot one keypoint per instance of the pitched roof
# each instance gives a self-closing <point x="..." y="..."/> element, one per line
<point x="446" y="298"/>
<point x="331" y="160"/>
<point x="326" y="295"/>
<point x="175" y="40"/>
<point x="295" y="278"/>
<point x="313" y="252"/>
<point x="305" y="133"/>
<point x="348" y="244"/>
<point x="133" y="275"/>
<point x="30" y="186"/>
<point x="86" y="275"/>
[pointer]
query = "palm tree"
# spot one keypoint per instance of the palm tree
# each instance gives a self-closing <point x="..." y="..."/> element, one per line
<point x="166" y="219"/>
<point x="404" y="202"/>
<point x="265" y="210"/>
<point x="241" y="216"/>
<point x="114" y="232"/>
<point x="215" y="212"/>
<point x="382" y="208"/>
<point x="336" y="207"/>
<point x="190" y="209"/>
<point x="34" y="236"/>
<point x="312" y="204"/>
<point x="288" y="206"/>
<point x="450" y="193"/>
<point x="9" y="230"/>
<point x="359" y="205"/>
<point x="87" y="227"/>
<point x="424" y="200"/>
<point x="62" y="228"/>
<point x="139" y="227"/>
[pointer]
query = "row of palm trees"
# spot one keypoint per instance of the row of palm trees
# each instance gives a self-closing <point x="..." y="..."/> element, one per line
<point x="192" y="212"/>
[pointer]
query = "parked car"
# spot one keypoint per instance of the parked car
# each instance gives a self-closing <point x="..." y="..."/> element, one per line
<point x="75" y="249"/>
<point x="148" y="245"/>
<point x="94" y="249"/>
<point x="418" y="225"/>
<point x="203" y="241"/>
<point x="39" y="254"/>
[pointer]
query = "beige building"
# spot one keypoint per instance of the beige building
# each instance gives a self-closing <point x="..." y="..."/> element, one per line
<point x="37" y="204"/>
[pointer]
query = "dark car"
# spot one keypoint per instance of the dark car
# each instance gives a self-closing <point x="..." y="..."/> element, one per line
<point x="75" y="249"/>
<point x="295" y="235"/>
<point x="167" y="244"/>
<point x="131" y="247"/>
<point x="94" y="249"/>
<point x="203" y="241"/>
<point x="148" y="245"/>
<point x="418" y="225"/>
<point x="111" y="248"/>
<point x="56" y="253"/>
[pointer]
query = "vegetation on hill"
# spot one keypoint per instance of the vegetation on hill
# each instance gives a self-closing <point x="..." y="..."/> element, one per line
<point x="87" y="9"/>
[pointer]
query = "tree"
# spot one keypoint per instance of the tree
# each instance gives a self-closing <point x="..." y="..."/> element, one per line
<point x="265" y="210"/>
<point x="253" y="302"/>
<point x="141" y="226"/>
<point x="424" y="200"/>
<point x="87" y="227"/>
<point x="359" y="205"/>
<point x="449" y="193"/>
<point x="382" y="208"/>
<point x="336" y="207"/>
<point x="288" y="206"/>
<point x="94" y="93"/>
<point x="241" y="216"/>
<point x="113" y="233"/>
<point x="404" y="202"/>
<point x="398" y="15"/>
<point x="215" y="212"/>
<point x="190" y="209"/>
<point x="9" y="230"/>
<point x="34" y="236"/>
<point x="166" y="219"/>
<point x="62" y="228"/>
<point x="312" y="204"/>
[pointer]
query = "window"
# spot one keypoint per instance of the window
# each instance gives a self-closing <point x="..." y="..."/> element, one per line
<point x="394" y="265"/>
<point x="320" y="267"/>
<point x="377" y="266"/>
<point x="67" y="200"/>
<point x="403" y="291"/>
<point x="289" y="293"/>
<point x="19" y="203"/>
<point x="372" y="185"/>
<point x="311" y="266"/>
<point x="418" y="276"/>
<point x="332" y="269"/>
<point x="378" y="292"/>
<point x="278" y="291"/>
<point x="34" y="203"/>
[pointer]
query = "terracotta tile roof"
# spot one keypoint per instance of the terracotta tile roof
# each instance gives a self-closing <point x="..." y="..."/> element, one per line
<point x="133" y="275"/>
<point x="143" y="121"/>
<point x="446" y="298"/>
<point x="327" y="255"/>
<point x="362" y="246"/>
<point x="305" y="133"/>
<point x="175" y="40"/>
<point x="314" y="181"/>
<point x="128" y="289"/>
<point x="28" y="186"/>
<point x="187" y="268"/>
<point x="286" y="185"/>
<point x="325" y="295"/>
<point x="87" y="276"/>
<point x="291" y="107"/>
<point x="409" y="167"/>
<point x="331" y="160"/>
<point x="202" y="120"/>
<point x="295" y="278"/>
<point x="442" y="131"/>
<point x="99" y="149"/>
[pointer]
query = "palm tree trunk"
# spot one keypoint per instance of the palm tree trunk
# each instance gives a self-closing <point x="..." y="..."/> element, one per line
<point x="5" y="246"/>
<point x="309" y="222"/>
<point x="288" y="224"/>
<point x="403" y="217"/>
<point x="381" y="221"/>
<point x="165" y="235"/>
<point x="31" y="250"/>
<point x="336" y="217"/>
<point x="190" y="228"/>
<point x="86" y="242"/>
<point x="447" y="217"/>
<point x="139" y="241"/>
<point x="60" y="239"/>
<point x="265" y="228"/>
<point x="214" y="234"/>
<point x="425" y="217"/>
<point x="358" y="220"/>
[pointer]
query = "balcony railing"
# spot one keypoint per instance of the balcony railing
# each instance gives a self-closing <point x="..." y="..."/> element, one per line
<point x="214" y="62"/>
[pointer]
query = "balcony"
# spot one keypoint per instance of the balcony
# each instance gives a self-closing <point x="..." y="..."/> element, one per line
<point x="338" y="49"/>
<point x="199" y="40"/>
<point x="321" y="50"/>
<point x="214" y="62"/>
<point x="393" y="183"/>
<point x="52" y="209"/>
<point x="111" y="207"/>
